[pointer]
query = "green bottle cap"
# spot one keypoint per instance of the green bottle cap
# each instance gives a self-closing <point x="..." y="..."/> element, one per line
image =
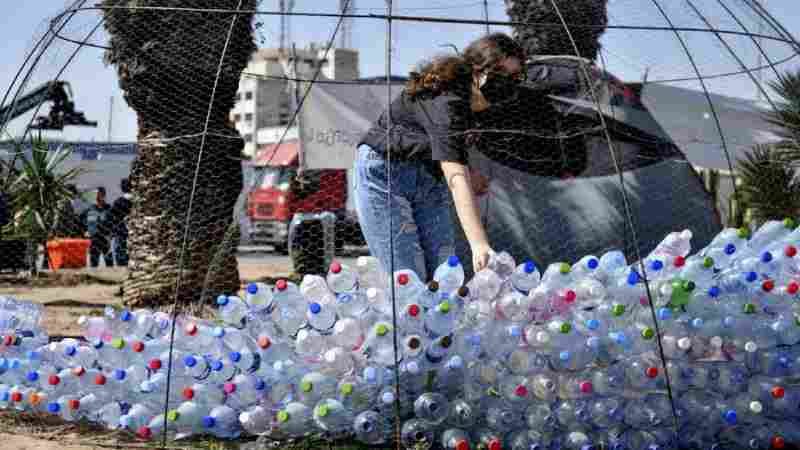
<point x="346" y="389"/>
<point x="618" y="310"/>
<point x="688" y="285"/>
<point x="564" y="268"/>
<point x="444" y="307"/>
<point x="173" y="415"/>
<point x="789" y="223"/>
<point x="283" y="416"/>
<point x="118" y="343"/>
<point x="306" y="386"/>
<point x="749" y="308"/>
<point x="708" y="262"/>
<point x="381" y="330"/>
<point x="565" y="328"/>
<point x="648" y="333"/>
<point x="322" y="410"/>
<point x="742" y="233"/>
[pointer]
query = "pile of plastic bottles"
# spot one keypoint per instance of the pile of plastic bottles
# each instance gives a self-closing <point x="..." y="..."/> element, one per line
<point x="569" y="357"/>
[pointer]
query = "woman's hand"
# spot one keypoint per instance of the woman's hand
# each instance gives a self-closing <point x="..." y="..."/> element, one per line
<point x="480" y="256"/>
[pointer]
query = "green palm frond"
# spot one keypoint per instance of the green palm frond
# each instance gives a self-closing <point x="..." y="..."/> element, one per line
<point x="768" y="183"/>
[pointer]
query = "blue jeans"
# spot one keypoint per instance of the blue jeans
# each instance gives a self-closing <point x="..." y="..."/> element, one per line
<point x="419" y="209"/>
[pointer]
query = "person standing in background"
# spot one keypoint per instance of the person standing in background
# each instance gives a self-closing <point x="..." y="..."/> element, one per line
<point x="95" y="220"/>
<point x="118" y="223"/>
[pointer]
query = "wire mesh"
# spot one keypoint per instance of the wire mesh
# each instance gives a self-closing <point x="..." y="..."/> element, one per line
<point x="286" y="229"/>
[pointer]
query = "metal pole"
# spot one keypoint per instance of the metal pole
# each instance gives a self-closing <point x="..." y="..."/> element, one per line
<point x="110" y="118"/>
<point x="486" y="15"/>
<point x="301" y="156"/>
<point x="760" y="74"/>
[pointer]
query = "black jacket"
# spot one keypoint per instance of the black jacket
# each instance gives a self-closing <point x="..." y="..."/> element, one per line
<point x="118" y="215"/>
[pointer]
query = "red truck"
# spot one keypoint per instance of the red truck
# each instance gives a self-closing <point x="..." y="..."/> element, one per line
<point x="280" y="194"/>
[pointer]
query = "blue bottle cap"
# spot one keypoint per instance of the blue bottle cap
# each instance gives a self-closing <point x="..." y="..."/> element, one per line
<point x="217" y="365"/>
<point x="124" y="407"/>
<point x="32" y="376"/>
<point x="235" y="356"/>
<point x="564" y="356"/>
<point x="119" y="374"/>
<point x="222" y="300"/>
<point x="97" y="344"/>
<point x="783" y="361"/>
<point x="697" y="322"/>
<point x="728" y="322"/>
<point x="730" y="417"/>
<point x="592" y="263"/>
<point x="5" y="396"/>
<point x="664" y="313"/>
<point x="53" y="408"/>
<point x="453" y="261"/>
<point x="592" y="324"/>
<point x="730" y="249"/>
<point x="260" y="385"/>
<point x="766" y="257"/>
<point x="209" y="422"/>
<point x="713" y="292"/>
<point x="190" y="361"/>
<point x="633" y="277"/>
<point x="252" y="289"/>
<point x="126" y="316"/>
<point x="315" y="308"/>
<point x="515" y="331"/>
<point x="751" y="276"/>
<point x="656" y="265"/>
<point x="218" y="332"/>
<point x="530" y="267"/>
<point x="33" y="355"/>
<point x="70" y="350"/>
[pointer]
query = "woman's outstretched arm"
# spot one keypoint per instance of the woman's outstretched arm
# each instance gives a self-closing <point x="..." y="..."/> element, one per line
<point x="458" y="180"/>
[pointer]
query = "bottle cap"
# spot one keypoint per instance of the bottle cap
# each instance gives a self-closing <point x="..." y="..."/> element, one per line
<point x="306" y="386"/>
<point x="530" y="267"/>
<point x="790" y="251"/>
<point x="742" y="233"/>
<point x="126" y="316"/>
<point x="252" y="289"/>
<point x="564" y="268"/>
<point x="78" y="371"/>
<point x="53" y="380"/>
<point x="314" y="308"/>
<point x="444" y="307"/>
<point x="792" y="287"/>
<point x="586" y="387"/>
<point x="322" y="410"/>
<point x="346" y="389"/>
<point x="190" y="361"/>
<point x="402" y="279"/>
<point x="680" y="261"/>
<point x="708" y="262"/>
<point x="154" y="364"/>
<point x="778" y="442"/>
<point x="381" y="330"/>
<point x="222" y="300"/>
<point x="173" y="415"/>
<point x="188" y="393"/>
<point x="138" y="346"/>
<point x="264" y="342"/>
<point x="190" y="329"/>
<point x="768" y="285"/>
<point x="453" y="261"/>
<point x="145" y="432"/>
<point x="118" y="343"/>
<point x="74" y="404"/>
<point x="521" y="391"/>
<point x="16" y="397"/>
<point x="413" y="310"/>
<point x="235" y="356"/>
<point x="648" y="333"/>
<point x="283" y="416"/>
<point x="281" y="285"/>
<point x="495" y="444"/>
<point x="336" y="267"/>
<point x="651" y="372"/>
<point x="789" y="223"/>
<point x="565" y="328"/>
<point x="592" y="263"/>
<point x="209" y="422"/>
<point x="53" y="408"/>
<point x="777" y="392"/>
<point x="100" y="380"/>
<point x="730" y="249"/>
<point x="570" y="296"/>
<point x="229" y="388"/>
<point x="618" y="310"/>
<point x="462" y="445"/>
<point x="32" y="376"/>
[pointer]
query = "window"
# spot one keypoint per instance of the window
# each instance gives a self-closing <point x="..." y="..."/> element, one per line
<point x="248" y="95"/>
<point x="248" y="117"/>
<point x="237" y="118"/>
<point x="248" y="138"/>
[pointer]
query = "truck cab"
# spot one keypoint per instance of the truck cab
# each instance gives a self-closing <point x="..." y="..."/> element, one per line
<point x="281" y="190"/>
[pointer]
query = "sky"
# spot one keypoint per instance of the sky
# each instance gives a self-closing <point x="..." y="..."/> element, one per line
<point x="627" y="53"/>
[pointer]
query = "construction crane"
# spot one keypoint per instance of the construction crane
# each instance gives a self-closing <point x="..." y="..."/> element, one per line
<point x="61" y="114"/>
<point x="346" y="29"/>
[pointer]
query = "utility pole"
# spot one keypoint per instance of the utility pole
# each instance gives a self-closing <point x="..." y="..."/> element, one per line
<point x="301" y="155"/>
<point x="760" y="74"/>
<point x="110" y="118"/>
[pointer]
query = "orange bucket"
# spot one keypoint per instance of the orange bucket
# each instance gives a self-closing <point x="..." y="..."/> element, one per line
<point x="67" y="253"/>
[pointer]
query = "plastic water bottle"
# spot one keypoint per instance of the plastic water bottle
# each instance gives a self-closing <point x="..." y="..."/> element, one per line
<point x="321" y="317"/>
<point x="290" y="306"/>
<point x="370" y="428"/>
<point x="259" y="296"/>
<point x="341" y="278"/>
<point x="449" y="275"/>
<point x="331" y="415"/>
<point x="232" y="310"/>
<point x="417" y="434"/>
<point x="222" y="422"/>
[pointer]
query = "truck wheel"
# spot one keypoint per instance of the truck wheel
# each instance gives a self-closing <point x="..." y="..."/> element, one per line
<point x="282" y="249"/>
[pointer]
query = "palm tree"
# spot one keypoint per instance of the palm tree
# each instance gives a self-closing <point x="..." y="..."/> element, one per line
<point x="173" y="73"/>
<point x="586" y="21"/>
<point x="38" y="190"/>
<point x="770" y="188"/>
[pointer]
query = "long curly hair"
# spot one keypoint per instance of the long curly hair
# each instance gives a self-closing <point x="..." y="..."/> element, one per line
<point x="586" y="19"/>
<point x="454" y="72"/>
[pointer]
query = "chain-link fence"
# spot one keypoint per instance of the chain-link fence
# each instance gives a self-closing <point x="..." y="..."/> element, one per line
<point x="419" y="224"/>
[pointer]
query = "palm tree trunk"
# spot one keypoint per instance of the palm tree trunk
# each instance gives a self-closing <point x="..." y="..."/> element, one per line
<point x="169" y="68"/>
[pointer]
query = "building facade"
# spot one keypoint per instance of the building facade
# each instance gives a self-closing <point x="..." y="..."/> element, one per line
<point x="265" y="101"/>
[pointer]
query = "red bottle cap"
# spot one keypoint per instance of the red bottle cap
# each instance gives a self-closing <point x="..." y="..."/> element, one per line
<point x="413" y="310"/>
<point x="144" y="432"/>
<point x="462" y="445"/>
<point x="778" y="442"/>
<point x="281" y="285"/>
<point x="100" y="380"/>
<point x="229" y="388"/>
<point x="74" y="404"/>
<point x="777" y="392"/>
<point x="188" y="393"/>
<point x="495" y="444"/>
<point x="586" y="387"/>
<point x="264" y="342"/>
<point x="336" y="267"/>
<point x="16" y="397"/>
<point x="154" y="364"/>
<point x="651" y="372"/>
<point x="570" y="296"/>
<point x="768" y="285"/>
<point x="679" y="261"/>
<point x="138" y="346"/>
<point x="521" y="391"/>
<point x="53" y="380"/>
<point x="190" y="329"/>
<point x="790" y="251"/>
<point x="402" y="279"/>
